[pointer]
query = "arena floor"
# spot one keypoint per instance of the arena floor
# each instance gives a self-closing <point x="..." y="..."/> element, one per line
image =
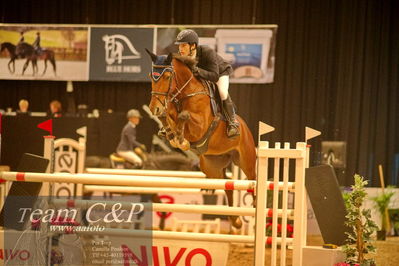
<point x="387" y="253"/>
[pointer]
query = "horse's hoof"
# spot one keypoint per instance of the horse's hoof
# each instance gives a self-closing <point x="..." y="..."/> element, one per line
<point x="173" y="143"/>
<point x="185" y="146"/>
<point x="236" y="222"/>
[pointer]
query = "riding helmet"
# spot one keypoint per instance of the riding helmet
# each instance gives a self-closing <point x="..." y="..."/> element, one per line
<point x="187" y="36"/>
<point x="133" y="113"/>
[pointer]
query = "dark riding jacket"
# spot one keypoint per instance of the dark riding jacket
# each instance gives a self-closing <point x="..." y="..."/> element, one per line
<point x="128" y="138"/>
<point x="211" y="66"/>
<point x="36" y="44"/>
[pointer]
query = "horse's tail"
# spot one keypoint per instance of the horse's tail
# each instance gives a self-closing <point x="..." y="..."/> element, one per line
<point x="247" y="150"/>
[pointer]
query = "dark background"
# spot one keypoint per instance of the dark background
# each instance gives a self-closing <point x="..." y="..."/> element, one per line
<point x="337" y="68"/>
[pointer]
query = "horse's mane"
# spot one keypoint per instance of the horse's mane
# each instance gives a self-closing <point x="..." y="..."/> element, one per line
<point x="190" y="62"/>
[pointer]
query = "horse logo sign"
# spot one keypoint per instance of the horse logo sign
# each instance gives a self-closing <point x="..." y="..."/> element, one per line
<point x="116" y="53"/>
<point x="114" y="49"/>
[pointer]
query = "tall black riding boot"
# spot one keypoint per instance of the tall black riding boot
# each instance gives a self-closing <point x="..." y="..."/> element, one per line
<point x="232" y="123"/>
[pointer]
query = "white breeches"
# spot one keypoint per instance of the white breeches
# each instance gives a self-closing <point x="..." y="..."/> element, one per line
<point x="223" y="85"/>
<point x="131" y="157"/>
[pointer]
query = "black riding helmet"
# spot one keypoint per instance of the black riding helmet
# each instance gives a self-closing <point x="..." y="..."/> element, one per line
<point x="187" y="36"/>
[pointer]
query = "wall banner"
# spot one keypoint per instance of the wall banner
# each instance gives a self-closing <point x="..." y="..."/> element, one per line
<point x="119" y="53"/>
<point x="43" y="52"/>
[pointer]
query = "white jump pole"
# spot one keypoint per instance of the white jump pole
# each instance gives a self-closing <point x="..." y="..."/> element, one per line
<point x="178" y="236"/>
<point x="164" y="173"/>
<point x="118" y="180"/>
<point x="163" y="207"/>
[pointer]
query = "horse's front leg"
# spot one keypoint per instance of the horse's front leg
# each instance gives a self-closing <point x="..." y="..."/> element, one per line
<point x="25" y="66"/>
<point x="11" y="65"/>
<point x="168" y="131"/>
<point x="181" y="142"/>
<point x="45" y="67"/>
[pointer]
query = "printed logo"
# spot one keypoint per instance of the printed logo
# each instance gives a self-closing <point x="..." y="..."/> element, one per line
<point x="115" y="48"/>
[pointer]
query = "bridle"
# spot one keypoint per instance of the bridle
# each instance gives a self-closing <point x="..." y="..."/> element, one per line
<point x="155" y="76"/>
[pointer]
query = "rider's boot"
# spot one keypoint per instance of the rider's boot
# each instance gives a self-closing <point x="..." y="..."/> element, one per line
<point x="232" y="123"/>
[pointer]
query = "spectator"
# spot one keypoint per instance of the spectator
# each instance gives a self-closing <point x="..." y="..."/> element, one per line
<point x="23" y="107"/>
<point x="55" y="109"/>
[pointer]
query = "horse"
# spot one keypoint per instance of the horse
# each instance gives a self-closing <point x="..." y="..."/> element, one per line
<point x="25" y="50"/>
<point x="182" y="103"/>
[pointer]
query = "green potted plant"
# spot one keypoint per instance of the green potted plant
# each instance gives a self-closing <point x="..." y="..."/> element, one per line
<point x="358" y="244"/>
<point x="381" y="203"/>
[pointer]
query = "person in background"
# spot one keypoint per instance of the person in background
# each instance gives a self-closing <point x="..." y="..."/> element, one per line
<point x="36" y="44"/>
<point x="128" y="147"/>
<point x="55" y="109"/>
<point x="21" y="38"/>
<point x="23" y="107"/>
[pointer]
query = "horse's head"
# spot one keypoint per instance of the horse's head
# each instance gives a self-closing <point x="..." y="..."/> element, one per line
<point x="161" y="76"/>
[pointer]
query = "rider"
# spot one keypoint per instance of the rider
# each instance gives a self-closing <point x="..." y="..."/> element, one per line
<point x="128" y="143"/>
<point x="19" y="49"/>
<point x="212" y="67"/>
<point x="36" y="43"/>
<point x="21" y="38"/>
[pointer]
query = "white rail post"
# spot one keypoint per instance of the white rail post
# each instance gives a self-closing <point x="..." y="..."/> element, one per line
<point x="285" y="208"/>
<point x="261" y="197"/>
<point x="260" y="213"/>
<point x="276" y="179"/>
<point x="48" y="153"/>
<point x="300" y="212"/>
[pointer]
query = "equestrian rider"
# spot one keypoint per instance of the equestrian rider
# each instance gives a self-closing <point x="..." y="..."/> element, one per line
<point x="36" y="43"/>
<point x="21" y="38"/>
<point x="212" y="67"/>
<point x="19" y="48"/>
<point x="128" y="143"/>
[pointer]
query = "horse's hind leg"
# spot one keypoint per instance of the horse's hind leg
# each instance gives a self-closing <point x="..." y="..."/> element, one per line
<point x="214" y="166"/>
<point x="45" y="67"/>
<point x="25" y="66"/>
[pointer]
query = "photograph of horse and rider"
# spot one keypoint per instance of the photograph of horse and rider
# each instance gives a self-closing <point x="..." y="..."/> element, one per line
<point x="50" y="53"/>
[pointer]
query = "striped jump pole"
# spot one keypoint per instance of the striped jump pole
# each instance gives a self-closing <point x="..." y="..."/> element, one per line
<point x="164" y="173"/>
<point x="152" y="190"/>
<point x="146" y="181"/>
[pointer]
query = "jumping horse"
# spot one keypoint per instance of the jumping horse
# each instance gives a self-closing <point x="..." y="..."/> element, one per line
<point x="25" y="50"/>
<point x="183" y="104"/>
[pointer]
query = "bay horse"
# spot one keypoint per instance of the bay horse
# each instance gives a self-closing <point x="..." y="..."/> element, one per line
<point x="182" y="103"/>
<point x="25" y="50"/>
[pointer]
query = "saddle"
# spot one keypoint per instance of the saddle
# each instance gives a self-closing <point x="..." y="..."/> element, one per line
<point x="216" y="102"/>
<point x="201" y="146"/>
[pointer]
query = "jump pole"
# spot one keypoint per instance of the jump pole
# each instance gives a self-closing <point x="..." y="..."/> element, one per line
<point x="163" y="207"/>
<point x="146" y="181"/>
<point x="181" y="236"/>
<point x="164" y="173"/>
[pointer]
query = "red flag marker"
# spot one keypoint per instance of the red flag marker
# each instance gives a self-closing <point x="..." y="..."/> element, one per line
<point x="47" y="125"/>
